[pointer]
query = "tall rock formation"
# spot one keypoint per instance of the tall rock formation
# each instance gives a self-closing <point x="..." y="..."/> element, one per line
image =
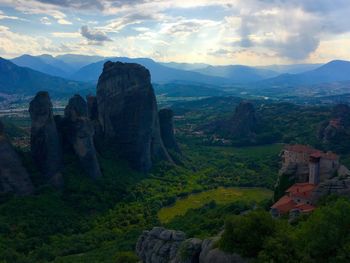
<point x="79" y="132"/>
<point x="167" y="129"/>
<point x="128" y="114"/>
<point x="244" y="121"/>
<point x="45" y="142"/>
<point x="13" y="176"/>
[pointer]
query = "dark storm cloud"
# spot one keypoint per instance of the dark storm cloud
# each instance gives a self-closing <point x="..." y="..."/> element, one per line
<point x="94" y="35"/>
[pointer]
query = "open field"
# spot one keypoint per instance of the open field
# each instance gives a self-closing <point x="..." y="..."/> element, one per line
<point x="220" y="195"/>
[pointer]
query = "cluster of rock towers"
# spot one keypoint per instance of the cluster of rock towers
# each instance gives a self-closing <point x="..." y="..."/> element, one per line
<point x="123" y="115"/>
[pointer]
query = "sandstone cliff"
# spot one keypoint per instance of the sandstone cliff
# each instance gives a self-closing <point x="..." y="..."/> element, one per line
<point x="13" y="176"/>
<point x="45" y="142"/>
<point x="128" y="115"/>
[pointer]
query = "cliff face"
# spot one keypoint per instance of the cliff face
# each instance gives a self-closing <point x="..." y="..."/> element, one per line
<point x="167" y="129"/>
<point x="128" y="115"/>
<point x="243" y="122"/>
<point x="13" y="177"/>
<point x="80" y="132"/>
<point x="45" y="142"/>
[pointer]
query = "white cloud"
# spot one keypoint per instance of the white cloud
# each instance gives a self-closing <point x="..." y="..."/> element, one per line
<point x="45" y="20"/>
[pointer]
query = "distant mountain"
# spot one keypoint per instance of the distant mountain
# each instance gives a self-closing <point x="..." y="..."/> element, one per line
<point x="78" y="61"/>
<point x="15" y="79"/>
<point x="44" y="63"/>
<point x="238" y="73"/>
<point x="185" y="66"/>
<point x="334" y="71"/>
<point x="159" y="73"/>
<point x="292" y="69"/>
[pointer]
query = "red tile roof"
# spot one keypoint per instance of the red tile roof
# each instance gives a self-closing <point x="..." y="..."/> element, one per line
<point x="284" y="205"/>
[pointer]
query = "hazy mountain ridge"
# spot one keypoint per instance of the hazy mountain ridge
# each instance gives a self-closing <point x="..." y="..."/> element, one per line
<point x="160" y="73"/>
<point x="238" y="73"/>
<point x="333" y="71"/>
<point x="15" y="79"/>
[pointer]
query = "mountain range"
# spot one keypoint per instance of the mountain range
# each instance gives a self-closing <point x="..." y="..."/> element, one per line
<point x="71" y="73"/>
<point x="23" y="80"/>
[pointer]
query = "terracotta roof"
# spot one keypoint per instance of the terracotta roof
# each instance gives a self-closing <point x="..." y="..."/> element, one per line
<point x="284" y="205"/>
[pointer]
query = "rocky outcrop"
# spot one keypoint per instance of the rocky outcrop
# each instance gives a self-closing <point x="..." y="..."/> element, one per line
<point x="239" y="129"/>
<point x="338" y="185"/>
<point x="13" y="176"/>
<point x="161" y="245"/>
<point x="335" y="133"/>
<point x="80" y="131"/>
<point x="167" y="129"/>
<point x="45" y="143"/>
<point x="128" y="115"/>
<point x="244" y="121"/>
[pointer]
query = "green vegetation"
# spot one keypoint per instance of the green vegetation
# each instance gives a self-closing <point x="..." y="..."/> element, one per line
<point x="99" y="221"/>
<point x="321" y="237"/>
<point x="96" y="221"/>
<point x="220" y="196"/>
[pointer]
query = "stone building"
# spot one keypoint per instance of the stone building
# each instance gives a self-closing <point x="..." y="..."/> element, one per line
<point x="308" y="167"/>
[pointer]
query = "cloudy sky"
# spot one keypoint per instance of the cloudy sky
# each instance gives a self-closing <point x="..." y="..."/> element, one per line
<point x="251" y="32"/>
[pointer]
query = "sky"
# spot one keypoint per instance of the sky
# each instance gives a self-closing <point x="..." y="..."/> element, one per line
<point x="248" y="32"/>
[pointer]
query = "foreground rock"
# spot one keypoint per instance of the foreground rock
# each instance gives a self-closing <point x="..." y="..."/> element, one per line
<point x="128" y="114"/>
<point x="13" y="176"/>
<point x="45" y="142"/>
<point x="80" y="132"/>
<point x="161" y="245"/>
<point x="167" y="129"/>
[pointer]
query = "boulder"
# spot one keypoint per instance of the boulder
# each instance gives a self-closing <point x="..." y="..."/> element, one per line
<point x="128" y="115"/>
<point x="167" y="129"/>
<point x="159" y="245"/>
<point x="45" y="142"/>
<point x="162" y="245"/>
<point x="80" y="131"/>
<point x="13" y="176"/>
